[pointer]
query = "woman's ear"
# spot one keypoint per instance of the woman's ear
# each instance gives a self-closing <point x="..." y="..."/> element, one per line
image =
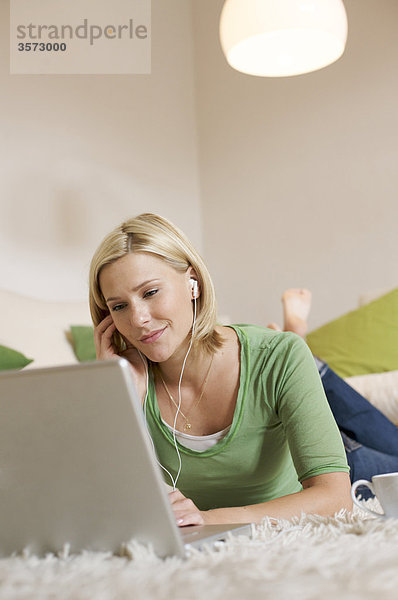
<point x="195" y="288"/>
<point x="193" y="283"/>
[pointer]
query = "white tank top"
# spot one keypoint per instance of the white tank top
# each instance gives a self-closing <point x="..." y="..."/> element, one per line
<point x="200" y="443"/>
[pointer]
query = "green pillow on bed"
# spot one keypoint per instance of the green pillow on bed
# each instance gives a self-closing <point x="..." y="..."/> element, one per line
<point x="362" y="341"/>
<point x="83" y="342"/>
<point x="12" y="359"/>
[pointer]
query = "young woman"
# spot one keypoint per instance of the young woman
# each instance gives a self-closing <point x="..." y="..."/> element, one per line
<point x="237" y="414"/>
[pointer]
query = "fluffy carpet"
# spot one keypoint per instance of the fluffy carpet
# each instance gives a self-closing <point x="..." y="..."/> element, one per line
<point x="353" y="557"/>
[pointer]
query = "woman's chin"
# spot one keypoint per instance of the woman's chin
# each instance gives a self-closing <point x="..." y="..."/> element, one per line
<point x="156" y="355"/>
<point x="160" y="351"/>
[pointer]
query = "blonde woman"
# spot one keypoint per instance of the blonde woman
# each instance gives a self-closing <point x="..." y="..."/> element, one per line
<point x="237" y="414"/>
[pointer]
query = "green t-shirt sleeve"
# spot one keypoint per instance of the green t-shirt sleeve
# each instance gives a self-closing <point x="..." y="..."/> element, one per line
<point x="314" y="439"/>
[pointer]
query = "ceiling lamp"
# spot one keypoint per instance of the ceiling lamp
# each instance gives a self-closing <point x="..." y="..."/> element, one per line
<point x="278" y="38"/>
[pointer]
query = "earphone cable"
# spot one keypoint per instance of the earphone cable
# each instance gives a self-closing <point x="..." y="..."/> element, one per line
<point x="146" y="422"/>
<point x="180" y="397"/>
<point x="174" y="481"/>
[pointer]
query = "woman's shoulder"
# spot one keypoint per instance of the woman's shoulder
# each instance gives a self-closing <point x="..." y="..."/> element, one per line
<point x="268" y="347"/>
<point x="263" y="337"/>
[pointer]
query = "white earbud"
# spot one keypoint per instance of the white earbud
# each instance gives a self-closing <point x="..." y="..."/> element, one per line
<point x="194" y="284"/>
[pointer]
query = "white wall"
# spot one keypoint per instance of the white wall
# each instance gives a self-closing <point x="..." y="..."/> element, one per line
<point x="299" y="175"/>
<point x="79" y="154"/>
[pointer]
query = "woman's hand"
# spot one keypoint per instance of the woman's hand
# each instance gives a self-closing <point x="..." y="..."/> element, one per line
<point x="185" y="511"/>
<point x="104" y="347"/>
<point x="105" y="350"/>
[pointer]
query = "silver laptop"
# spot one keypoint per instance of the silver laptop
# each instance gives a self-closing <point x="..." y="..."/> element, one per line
<point x="77" y="466"/>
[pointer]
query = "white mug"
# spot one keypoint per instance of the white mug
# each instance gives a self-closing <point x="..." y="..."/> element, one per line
<point x="385" y="488"/>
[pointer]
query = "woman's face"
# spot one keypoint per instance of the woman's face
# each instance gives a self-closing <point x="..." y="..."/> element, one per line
<point x="150" y="303"/>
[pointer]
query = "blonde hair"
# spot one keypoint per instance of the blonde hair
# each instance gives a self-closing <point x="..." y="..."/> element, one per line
<point x="156" y="235"/>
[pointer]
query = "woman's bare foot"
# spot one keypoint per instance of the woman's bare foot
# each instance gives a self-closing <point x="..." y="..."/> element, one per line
<point x="296" y="307"/>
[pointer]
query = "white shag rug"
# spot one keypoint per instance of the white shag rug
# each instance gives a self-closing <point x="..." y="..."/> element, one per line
<point x="352" y="557"/>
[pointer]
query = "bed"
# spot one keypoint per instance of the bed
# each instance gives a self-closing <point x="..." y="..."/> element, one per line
<point x="352" y="556"/>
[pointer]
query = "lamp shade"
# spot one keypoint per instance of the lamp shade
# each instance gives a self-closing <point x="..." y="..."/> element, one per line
<point x="278" y="38"/>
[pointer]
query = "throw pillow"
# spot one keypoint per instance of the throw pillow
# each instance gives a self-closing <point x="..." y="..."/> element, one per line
<point x="12" y="359"/>
<point x="381" y="390"/>
<point x="362" y="341"/>
<point x="83" y="342"/>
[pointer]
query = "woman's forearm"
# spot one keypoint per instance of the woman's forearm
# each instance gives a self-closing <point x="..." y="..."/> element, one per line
<point x="322" y="495"/>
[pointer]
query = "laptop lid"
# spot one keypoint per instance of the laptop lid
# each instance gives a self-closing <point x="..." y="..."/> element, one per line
<point x="77" y="465"/>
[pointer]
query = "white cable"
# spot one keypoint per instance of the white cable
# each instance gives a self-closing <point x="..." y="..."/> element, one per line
<point x="146" y="422"/>
<point x="180" y="399"/>
<point x="174" y="481"/>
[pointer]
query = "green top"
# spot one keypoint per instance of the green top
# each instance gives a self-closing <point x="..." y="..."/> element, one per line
<point x="282" y="431"/>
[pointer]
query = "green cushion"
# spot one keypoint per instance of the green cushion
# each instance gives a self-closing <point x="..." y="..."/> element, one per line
<point x="83" y="342"/>
<point x="12" y="359"/>
<point x="362" y="341"/>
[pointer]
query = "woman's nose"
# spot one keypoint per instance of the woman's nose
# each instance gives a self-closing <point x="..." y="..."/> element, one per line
<point x="139" y="315"/>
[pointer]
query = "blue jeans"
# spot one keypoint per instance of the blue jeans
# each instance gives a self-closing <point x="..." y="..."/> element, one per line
<point x="370" y="439"/>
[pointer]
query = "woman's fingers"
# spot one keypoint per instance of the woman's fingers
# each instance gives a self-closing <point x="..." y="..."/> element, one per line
<point x="102" y="325"/>
<point x="185" y="511"/>
<point x="189" y="518"/>
<point x="105" y="350"/>
<point x="103" y="338"/>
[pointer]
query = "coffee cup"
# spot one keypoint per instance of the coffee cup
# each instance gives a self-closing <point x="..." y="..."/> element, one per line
<point x="385" y="488"/>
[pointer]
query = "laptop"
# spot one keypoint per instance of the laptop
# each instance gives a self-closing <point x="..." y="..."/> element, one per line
<point x="77" y="466"/>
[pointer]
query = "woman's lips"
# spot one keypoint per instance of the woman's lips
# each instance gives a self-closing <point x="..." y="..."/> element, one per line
<point x="152" y="337"/>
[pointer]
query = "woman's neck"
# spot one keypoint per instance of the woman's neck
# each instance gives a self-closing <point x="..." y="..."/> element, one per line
<point x="195" y="369"/>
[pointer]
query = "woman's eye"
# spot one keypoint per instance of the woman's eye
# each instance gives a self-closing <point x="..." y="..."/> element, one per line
<point x="117" y="307"/>
<point x="150" y="293"/>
